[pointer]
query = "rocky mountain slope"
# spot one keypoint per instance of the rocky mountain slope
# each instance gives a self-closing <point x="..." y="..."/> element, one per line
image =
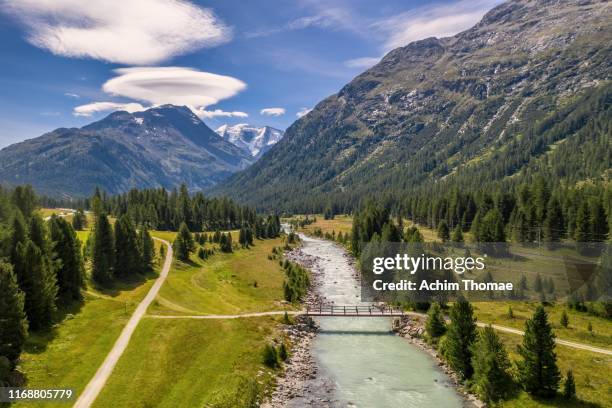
<point x="526" y="90"/>
<point x="251" y="139"/>
<point x="162" y="146"/>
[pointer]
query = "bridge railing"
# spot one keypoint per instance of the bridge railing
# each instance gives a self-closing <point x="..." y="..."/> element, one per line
<point x="353" y="310"/>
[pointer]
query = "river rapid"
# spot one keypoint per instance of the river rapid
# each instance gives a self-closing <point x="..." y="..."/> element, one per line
<point x="360" y="362"/>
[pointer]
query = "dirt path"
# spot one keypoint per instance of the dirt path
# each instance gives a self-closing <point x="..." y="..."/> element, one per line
<point x="505" y="329"/>
<point x="236" y="316"/>
<point x="95" y="385"/>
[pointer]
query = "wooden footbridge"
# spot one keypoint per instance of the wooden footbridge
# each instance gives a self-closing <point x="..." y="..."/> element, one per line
<point x="354" y="311"/>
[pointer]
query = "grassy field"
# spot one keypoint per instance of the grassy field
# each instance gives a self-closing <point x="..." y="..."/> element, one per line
<point x="591" y="373"/>
<point x="195" y="362"/>
<point x="240" y="282"/>
<point x="190" y="363"/>
<point x="577" y="330"/>
<point x="340" y="223"/>
<point x="70" y="354"/>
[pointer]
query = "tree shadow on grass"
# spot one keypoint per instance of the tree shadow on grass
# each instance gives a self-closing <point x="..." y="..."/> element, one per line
<point x="38" y="340"/>
<point x="128" y="283"/>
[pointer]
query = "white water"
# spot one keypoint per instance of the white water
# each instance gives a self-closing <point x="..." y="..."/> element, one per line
<point x="368" y="365"/>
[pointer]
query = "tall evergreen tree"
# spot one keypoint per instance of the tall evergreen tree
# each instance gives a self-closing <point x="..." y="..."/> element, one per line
<point x="553" y="223"/>
<point x="538" y="371"/>
<point x="491" y="364"/>
<point x="13" y="321"/>
<point x="443" y="231"/>
<point x="491" y="228"/>
<point x="460" y="336"/>
<point x="39" y="284"/>
<point x="597" y="220"/>
<point x="103" y="251"/>
<point x="69" y="262"/>
<point x="38" y="233"/>
<point x="19" y="235"/>
<point x="23" y="197"/>
<point x="127" y="254"/>
<point x="79" y="221"/>
<point x="147" y="249"/>
<point x="582" y="230"/>
<point x="435" y="326"/>
<point x="183" y="244"/>
<point x="457" y="234"/>
<point x="569" y="387"/>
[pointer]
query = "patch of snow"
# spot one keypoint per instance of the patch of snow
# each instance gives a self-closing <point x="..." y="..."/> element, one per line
<point x="251" y="139"/>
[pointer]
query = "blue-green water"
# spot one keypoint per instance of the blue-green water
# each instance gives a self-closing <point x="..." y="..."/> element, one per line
<point x="367" y="365"/>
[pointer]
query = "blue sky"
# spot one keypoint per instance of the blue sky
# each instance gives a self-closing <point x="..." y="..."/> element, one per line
<point x="69" y="62"/>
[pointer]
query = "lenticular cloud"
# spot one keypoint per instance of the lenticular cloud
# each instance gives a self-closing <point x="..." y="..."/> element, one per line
<point x="163" y="85"/>
<point x="131" y="32"/>
<point x="175" y="85"/>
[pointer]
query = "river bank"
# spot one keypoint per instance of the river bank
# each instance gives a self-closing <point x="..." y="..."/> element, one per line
<point x="412" y="328"/>
<point x="354" y="362"/>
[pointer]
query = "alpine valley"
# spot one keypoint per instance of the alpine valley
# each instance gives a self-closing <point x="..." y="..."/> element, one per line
<point x="525" y="91"/>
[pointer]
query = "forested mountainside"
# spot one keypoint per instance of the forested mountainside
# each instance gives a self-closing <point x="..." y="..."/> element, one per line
<point x="160" y="147"/>
<point x="524" y="92"/>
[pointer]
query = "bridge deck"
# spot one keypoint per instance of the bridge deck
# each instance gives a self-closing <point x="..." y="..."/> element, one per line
<point x="354" y="311"/>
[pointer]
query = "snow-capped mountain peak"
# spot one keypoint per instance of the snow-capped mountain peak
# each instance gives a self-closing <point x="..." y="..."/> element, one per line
<point x="252" y="139"/>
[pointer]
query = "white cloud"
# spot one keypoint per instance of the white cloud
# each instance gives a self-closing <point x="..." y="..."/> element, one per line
<point x="363" y="62"/>
<point x="72" y="95"/>
<point x="120" y="31"/>
<point x="301" y="23"/>
<point x="167" y="85"/>
<point x="95" y="107"/>
<point x="303" y="112"/>
<point x="272" y="111"/>
<point x="175" y="85"/>
<point x="205" y="114"/>
<point x="432" y="21"/>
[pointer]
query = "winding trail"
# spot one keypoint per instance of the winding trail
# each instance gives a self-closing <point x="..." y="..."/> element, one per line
<point x="505" y="329"/>
<point x="95" y="385"/>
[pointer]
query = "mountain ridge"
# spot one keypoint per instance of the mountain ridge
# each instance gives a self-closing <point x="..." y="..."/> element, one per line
<point x="252" y="139"/>
<point x="163" y="146"/>
<point x="437" y="109"/>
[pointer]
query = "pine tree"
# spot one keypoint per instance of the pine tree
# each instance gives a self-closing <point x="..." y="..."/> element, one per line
<point x="127" y="255"/>
<point x="38" y="233"/>
<point x="39" y="284"/>
<point x="24" y="198"/>
<point x="538" y="372"/>
<point x="564" y="321"/>
<point x="598" y="221"/>
<point x="443" y="231"/>
<point x="460" y="336"/>
<point x="13" y="321"/>
<point x="457" y="234"/>
<point x="582" y="231"/>
<point x="491" y="228"/>
<point x="19" y="235"/>
<point x="67" y="256"/>
<point x="103" y="251"/>
<point x="569" y="387"/>
<point x="435" y="326"/>
<point x="147" y="249"/>
<point x="183" y="244"/>
<point x="553" y="223"/>
<point x="79" y="221"/>
<point x="491" y="364"/>
<point x="537" y="284"/>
